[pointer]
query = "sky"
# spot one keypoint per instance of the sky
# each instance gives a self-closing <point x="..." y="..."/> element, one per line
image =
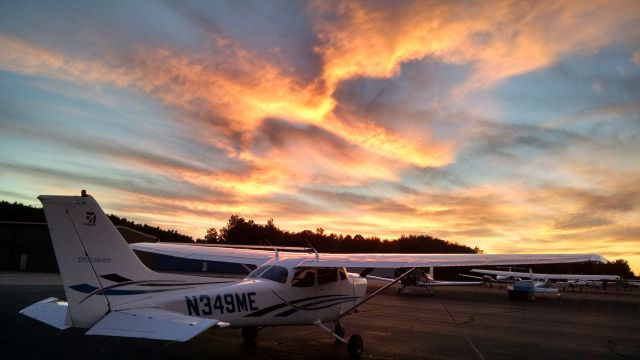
<point x="511" y="126"/>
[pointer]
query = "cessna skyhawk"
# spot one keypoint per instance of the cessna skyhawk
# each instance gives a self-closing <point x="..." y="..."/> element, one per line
<point x="110" y="292"/>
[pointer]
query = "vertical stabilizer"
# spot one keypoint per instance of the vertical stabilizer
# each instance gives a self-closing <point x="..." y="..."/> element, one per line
<point x="93" y="257"/>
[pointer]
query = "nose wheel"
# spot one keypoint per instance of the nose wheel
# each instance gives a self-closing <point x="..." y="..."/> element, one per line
<point x="354" y="345"/>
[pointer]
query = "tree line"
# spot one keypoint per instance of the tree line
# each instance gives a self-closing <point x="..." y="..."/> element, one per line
<point x="239" y="231"/>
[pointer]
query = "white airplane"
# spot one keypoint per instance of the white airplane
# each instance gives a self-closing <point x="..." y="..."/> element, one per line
<point x="518" y="276"/>
<point x="526" y="290"/>
<point x="525" y="285"/>
<point x="110" y="292"/>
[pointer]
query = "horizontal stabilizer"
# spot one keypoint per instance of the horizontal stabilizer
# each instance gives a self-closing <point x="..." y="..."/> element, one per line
<point x="50" y="311"/>
<point x="153" y="323"/>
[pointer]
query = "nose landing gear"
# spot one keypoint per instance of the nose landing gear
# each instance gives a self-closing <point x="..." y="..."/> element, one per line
<point x="355" y="345"/>
<point x="339" y="329"/>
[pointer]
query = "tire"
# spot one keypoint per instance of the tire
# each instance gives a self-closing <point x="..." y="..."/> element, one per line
<point x="249" y="334"/>
<point x="355" y="346"/>
<point x="339" y="330"/>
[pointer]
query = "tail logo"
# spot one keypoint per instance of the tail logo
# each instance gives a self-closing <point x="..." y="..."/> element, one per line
<point x="90" y="218"/>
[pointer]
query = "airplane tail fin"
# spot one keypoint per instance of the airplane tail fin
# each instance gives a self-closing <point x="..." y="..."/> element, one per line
<point x="94" y="259"/>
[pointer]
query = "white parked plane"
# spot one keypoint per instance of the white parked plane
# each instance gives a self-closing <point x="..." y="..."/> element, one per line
<point x="505" y="276"/>
<point x="110" y="292"/>
<point x="525" y="285"/>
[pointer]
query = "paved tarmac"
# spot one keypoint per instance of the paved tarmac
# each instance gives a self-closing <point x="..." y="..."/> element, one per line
<point x="456" y="323"/>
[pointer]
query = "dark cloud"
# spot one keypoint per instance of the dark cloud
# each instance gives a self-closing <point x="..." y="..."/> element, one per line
<point x="174" y="209"/>
<point x="6" y="194"/>
<point x="292" y="205"/>
<point x="211" y="159"/>
<point x="150" y="185"/>
<point x="516" y="141"/>
<point x="279" y="32"/>
<point x="581" y="221"/>
<point x="431" y="177"/>
<point x="284" y="135"/>
<point x="620" y="199"/>
<point x="97" y="30"/>
<point x="410" y="97"/>
<point x="349" y="200"/>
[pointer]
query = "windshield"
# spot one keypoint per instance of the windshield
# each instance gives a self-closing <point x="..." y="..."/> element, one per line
<point x="255" y="273"/>
<point x="270" y="272"/>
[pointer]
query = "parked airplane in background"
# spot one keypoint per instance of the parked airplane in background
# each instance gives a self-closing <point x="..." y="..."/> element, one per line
<point x="525" y="285"/>
<point x="510" y="276"/>
<point x="110" y="292"/>
<point x="421" y="278"/>
<point x="526" y="289"/>
<point x="505" y="277"/>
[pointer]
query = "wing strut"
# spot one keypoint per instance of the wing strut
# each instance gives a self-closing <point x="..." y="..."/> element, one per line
<point x="376" y="293"/>
<point x="366" y="272"/>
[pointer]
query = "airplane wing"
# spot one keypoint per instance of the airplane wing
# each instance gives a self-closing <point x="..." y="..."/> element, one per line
<point x="437" y="260"/>
<point x="434" y="282"/>
<point x="391" y="261"/>
<point x="207" y="253"/>
<point x="475" y="277"/>
<point x="455" y="283"/>
<point x="153" y="323"/>
<point x="548" y="276"/>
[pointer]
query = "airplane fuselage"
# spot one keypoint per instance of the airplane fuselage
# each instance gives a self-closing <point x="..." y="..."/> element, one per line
<point x="261" y="302"/>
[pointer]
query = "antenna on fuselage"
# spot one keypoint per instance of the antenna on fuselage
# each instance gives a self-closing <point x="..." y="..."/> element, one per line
<point x="314" y="249"/>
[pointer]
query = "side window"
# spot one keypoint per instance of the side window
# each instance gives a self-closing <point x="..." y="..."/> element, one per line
<point x="327" y="275"/>
<point x="276" y="273"/>
<point x="343" y="274"/>
<point x="304" y="278"/>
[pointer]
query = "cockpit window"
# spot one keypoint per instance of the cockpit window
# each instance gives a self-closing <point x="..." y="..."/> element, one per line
<point x="275" y="273"/>
<point x="327" y="275"/>
<point x="255" y="273"/>
<point x="304" y="278"/>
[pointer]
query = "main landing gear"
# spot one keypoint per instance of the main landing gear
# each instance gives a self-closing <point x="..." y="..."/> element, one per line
<point x="354" y="345"/>
<point x="249" y="334"/>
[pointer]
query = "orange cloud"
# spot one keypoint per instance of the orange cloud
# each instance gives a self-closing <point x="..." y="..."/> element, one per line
<point x="502" y="39"/>
<point x="236" y="95"/>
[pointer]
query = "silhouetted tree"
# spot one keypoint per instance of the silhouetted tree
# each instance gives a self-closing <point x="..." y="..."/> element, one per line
<point x="212" y="236"/>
